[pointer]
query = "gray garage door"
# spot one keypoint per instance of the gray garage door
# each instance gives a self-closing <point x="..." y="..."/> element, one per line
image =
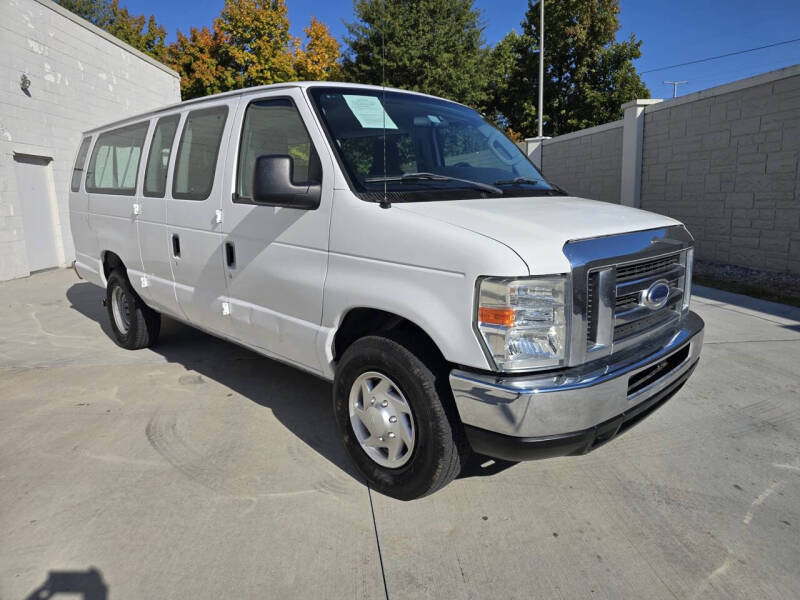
<point x="34" y="182"/>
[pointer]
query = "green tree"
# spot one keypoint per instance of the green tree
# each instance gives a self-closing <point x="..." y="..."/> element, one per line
<point x="588" y="74"/>
<point x="511" y="102"/>
<point x="143" y="33"/>
<point x="431" y="46"/>
<point x="96" y="12"/>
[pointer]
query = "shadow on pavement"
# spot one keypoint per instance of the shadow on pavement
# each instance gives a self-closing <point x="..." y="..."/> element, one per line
<point x="765" y="306"/>
<point x="87" y="585"/>
<point x="300" y="401"/>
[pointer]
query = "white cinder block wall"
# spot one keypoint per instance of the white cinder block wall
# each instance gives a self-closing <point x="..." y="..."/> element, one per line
<point x="81" y="77"/>
<point x="586" y="163"/>
<point x="725" y="161"/>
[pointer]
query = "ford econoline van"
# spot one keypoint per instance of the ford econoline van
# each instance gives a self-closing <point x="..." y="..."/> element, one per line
<point x="402" y="247"/>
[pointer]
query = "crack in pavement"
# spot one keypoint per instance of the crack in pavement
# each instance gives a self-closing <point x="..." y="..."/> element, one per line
<point x="378" y="542"/>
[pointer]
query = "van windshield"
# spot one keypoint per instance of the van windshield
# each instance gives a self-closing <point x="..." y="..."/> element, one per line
<point x="421" y="148"/>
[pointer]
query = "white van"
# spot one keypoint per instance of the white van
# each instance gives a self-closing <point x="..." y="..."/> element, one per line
<point x="402" y="247"/>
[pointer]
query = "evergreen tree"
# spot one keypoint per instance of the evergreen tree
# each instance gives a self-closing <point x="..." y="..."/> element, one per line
<point x="430" y="46"/>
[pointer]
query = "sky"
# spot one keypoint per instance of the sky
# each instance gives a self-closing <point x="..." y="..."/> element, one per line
<point x="672" y="31"/>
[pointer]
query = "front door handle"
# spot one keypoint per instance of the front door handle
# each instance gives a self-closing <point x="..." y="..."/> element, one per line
<point x="176" y="245"/>
<point x="230" y="255"/>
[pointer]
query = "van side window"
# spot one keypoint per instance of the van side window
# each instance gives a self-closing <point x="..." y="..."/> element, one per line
<point x="114" y="165"/>
<point x="155" y="173"/>
<point x="274" y="127"/>
<point x="197" y="153"/>
<point x="80" y="163"/>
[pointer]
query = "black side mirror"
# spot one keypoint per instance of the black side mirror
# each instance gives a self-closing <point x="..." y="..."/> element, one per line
<point x="272" y="184"/>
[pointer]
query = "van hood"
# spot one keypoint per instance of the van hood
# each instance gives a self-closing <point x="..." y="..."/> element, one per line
<point x="537" y="227"/>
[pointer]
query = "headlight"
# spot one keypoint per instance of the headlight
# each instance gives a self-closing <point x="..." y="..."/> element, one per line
<point x="523" y="323"/>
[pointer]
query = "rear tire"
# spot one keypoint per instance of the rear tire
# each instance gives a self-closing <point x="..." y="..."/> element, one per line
<point x="134" y="325"/>
<point x="380" y="384"/>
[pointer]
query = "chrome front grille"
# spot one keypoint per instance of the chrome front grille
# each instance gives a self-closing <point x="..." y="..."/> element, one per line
<point x="627" y="329"/>
<point x="627" y="301"/>
<point x="647" y="267"/>
<point x="632" y="315"/>
<point x="609" y="275"/>
<point x="665" y="267"/>
<point x="591" y="317"/>
<point x="629" y="282"/>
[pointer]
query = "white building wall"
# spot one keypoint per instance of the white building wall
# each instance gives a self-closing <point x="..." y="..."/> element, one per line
<point x="81" y="77"/>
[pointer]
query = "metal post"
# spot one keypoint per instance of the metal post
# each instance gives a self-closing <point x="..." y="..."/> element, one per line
<point x="675" y="85"/>
<point x="541" y="65"/>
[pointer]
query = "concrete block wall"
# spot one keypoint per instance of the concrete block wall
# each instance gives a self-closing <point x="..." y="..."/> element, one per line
<point x="81" y="77"/>
<point x="586" y="163"/>
<point x="725" y="162"/>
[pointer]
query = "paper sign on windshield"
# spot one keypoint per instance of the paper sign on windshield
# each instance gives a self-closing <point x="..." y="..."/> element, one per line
<point x="369" y="111"/>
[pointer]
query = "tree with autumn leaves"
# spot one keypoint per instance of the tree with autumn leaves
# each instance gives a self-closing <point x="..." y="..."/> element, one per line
<point x="250" y="44"/>
<point x="432" y="46"/>
<point x="142" y="33"/>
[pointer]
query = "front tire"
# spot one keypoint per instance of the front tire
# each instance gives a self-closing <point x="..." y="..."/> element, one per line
<point x="392" y="414"/>
<point x="134" y="325"/>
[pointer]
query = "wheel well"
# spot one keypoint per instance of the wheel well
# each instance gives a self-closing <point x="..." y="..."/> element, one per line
<point x="111" y="262"/>
<point x="361" y="322"/>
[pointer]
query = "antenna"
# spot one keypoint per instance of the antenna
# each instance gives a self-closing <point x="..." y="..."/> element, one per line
<point x="385" y="202"/>
<point x="675" y="85"/>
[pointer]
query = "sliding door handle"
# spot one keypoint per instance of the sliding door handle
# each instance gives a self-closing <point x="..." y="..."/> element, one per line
<point x="230" y="255"/>
<point x="176" y="245"/>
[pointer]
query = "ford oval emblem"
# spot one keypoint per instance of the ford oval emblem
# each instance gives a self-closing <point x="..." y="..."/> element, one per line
<point x="656" y="295"/>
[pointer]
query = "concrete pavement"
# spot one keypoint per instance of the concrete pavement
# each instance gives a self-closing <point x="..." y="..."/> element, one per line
<point x="199" y="469"/>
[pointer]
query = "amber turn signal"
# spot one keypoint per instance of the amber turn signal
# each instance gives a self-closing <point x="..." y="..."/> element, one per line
<point x="496" y="316"/>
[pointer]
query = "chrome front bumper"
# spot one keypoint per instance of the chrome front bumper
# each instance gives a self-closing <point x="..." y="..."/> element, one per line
<point x="574" y="404"/>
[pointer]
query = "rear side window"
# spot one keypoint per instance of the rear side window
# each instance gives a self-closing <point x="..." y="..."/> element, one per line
<point x="114" y="165"/>
<point x="197" y="153"/>
<point x="80" y="163"/>
<point x="274" y="127"/>
<point x="155" y="174"/>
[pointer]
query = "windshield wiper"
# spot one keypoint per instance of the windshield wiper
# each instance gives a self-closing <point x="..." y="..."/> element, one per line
<point x="413" y="177"/>
<point x="516" y="181"/>
<point x="553" y="188"/>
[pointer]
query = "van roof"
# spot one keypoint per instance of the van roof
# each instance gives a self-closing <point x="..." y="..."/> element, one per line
<point x="274" y="86"/>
